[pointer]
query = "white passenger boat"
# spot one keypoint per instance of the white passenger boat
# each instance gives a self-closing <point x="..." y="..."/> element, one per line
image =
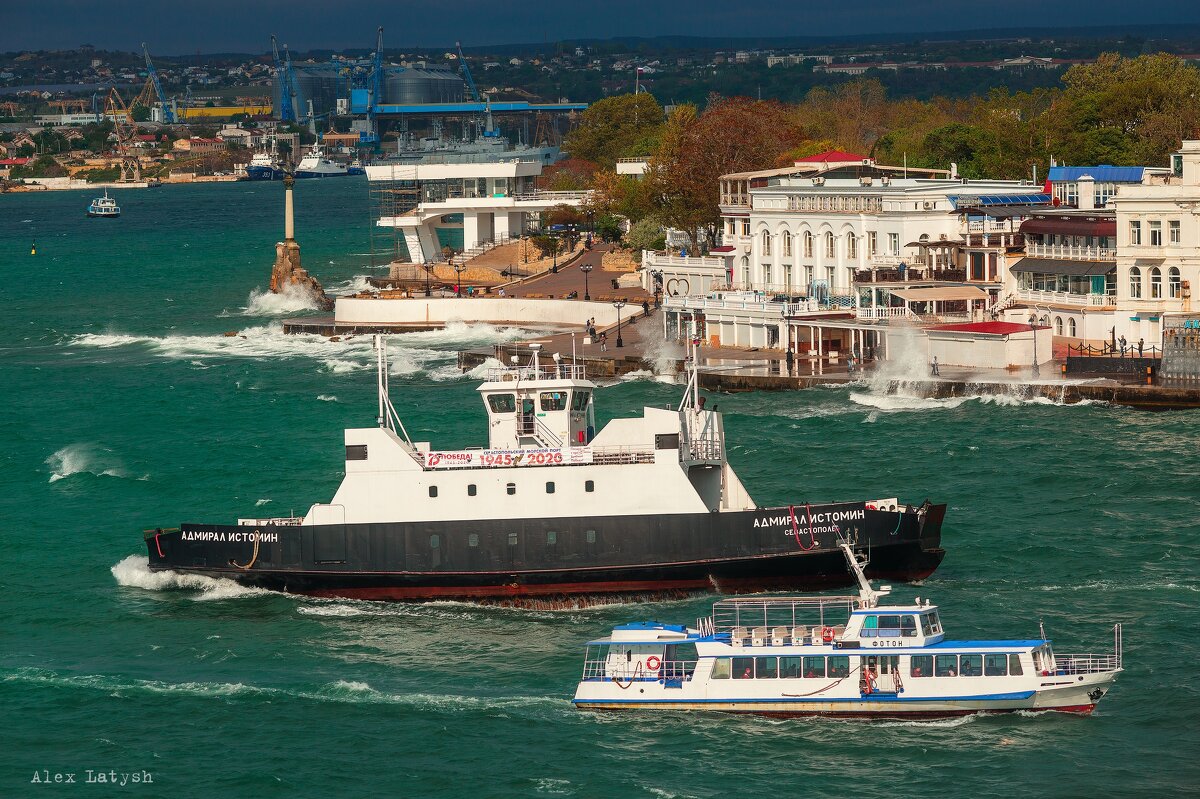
<point x="845" y="656"/>
<point x="317" y="165"/>
<point x="104" y="207"/>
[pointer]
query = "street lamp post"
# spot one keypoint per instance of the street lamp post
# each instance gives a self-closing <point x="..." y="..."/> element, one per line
<point x="587" y="270"/>
<point x="459" y="268"/>
<point x="619" y="304"/>
<point x="1033" y="330"/>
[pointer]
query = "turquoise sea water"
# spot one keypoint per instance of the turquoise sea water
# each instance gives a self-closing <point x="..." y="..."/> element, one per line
<point x="125" y="406"/>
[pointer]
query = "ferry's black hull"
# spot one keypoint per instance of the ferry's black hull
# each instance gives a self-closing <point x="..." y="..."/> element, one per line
<point x="566" y="560"/>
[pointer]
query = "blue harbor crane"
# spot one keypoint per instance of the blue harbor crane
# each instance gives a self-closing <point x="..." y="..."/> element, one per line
<point x="165" y="107"/>
<point x="287" y="83"/>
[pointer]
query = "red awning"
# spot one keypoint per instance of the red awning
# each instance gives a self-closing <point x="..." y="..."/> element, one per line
<point x="1071" y="226"/>
<point x="722" y="249"/>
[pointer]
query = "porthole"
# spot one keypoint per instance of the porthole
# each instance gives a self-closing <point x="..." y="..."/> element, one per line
<point x="591" y="536"/>
<point x="550" y="487"/>
<point x="511" y="488"/>
<point x="589" y="486"/>
<point x="471" y="491"/>
<point x="433" y="491"/>
<point x="473" y="540"/>
<point x="435" y="541"/>
<point x="551" y="537"/>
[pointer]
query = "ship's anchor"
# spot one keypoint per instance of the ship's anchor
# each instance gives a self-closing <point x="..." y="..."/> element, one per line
<point x="253" y="556"/>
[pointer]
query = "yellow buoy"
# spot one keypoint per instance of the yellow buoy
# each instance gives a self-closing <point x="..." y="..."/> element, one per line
<point x="33" y="250"/>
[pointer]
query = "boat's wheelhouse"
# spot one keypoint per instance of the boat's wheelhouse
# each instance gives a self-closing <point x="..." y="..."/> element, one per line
<point x="546" y="406"/>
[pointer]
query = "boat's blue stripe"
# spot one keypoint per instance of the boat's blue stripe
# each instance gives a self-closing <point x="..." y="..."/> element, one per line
<point x="811" y="700"/>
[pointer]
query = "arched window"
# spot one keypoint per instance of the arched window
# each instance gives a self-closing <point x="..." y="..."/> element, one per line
<point x="787" y="243"/>
<point x="1173" y="283"/>
<point x="766" y="242"/>
<point x="851" y="245"/>
<point x="1155" y="283"/>
<point x="1071" y="328"/>
<point x="745" y="272"/>
<point x="807" y="244"/>
<point x="1058" y="326"/>
<point x="829" y="245"/>
<point x="1135" y="283"/>
<point x="1045" y="320"/>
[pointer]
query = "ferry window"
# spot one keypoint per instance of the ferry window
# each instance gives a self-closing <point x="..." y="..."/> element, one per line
<point x="580" y="401"/>
<point x="502" y="403"/>
<point x="591" y="536"/>
<point x="889" y="626"/>
<point x="814" y="667"/>
<point x="551" y="537"/>
<point x="946" y="666"/>
<point x="435" y="541"/>
<point x="766" y="668"/>
<point x="473" y="540"/>
<point x="511" y="488"/>
<point x="921" y="666"/>
<point x="930" y="624"/>
<point x="471" y="490"/>
<point x="433" y="491"/>
<point x="589" y="486"/>
<point x="720" y="669"/>
<point x="1014" y="665"/>
<point x="743" y="668"/>
<point x="908" y="626"/>
<point x="995" y="665"/>
<point x="870" y="627"/>
<point x="971" y="666"/>
<point x="553" y="400"/>
<point x="512" y="539"/>
<point x="789" y="667"/>
<point x="839" y="666"/>
<point x="550" y="487"/>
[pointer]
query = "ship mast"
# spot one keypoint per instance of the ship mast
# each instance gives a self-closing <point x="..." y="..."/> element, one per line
<point x="868" y="596"/>
<point x="387" y="418"/>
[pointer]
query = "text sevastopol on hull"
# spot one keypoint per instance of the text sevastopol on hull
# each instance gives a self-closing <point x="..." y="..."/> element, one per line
<point x="552" y="511"/>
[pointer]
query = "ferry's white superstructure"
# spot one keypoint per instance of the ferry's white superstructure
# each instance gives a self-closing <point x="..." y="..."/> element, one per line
<point x="843" y="656"/>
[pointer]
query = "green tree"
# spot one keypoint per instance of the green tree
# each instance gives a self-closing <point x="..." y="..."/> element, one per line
<point x="616" y="127"/>
<point x="647" y="234"/>
<point x="140" y="113"/>
<point x="608" y="228"/>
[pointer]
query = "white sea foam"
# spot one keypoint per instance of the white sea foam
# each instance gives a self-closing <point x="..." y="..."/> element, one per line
<point x="261" y="502"/>
<point x="293" y="299"/>
<point x="83" y="458"/>
<point x="352" y="286"/>
<point x="903" y="402"/>
<point x="134" y="572"/>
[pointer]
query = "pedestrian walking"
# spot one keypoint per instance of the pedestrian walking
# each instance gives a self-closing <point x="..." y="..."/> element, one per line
<point x="1123" y="344"/>
<point x="1141" y="344"/>
<point x="604" y="342"/>
<point x="934" y="367"/>
<point x="646" y="307"/>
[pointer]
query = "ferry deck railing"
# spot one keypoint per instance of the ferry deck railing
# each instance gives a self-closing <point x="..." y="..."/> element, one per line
<point x="669" y="670"/>
<point x="745" y="619"/>
<point x="1086" y="664"/>
<point x="560" y="371"/>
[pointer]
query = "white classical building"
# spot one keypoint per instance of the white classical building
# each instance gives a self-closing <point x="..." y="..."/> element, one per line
<point x="1117" y="257"/>
<point x="488" y="201"/>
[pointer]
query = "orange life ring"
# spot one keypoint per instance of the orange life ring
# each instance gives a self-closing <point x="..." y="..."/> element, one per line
<point x="653" y="663"/>
<point x="827" y="635"/>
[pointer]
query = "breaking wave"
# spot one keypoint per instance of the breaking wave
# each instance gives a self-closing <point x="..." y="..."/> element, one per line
<point x="293" y="299"/>
<point x="83" y="459"/>
<point x="134" y="572"/>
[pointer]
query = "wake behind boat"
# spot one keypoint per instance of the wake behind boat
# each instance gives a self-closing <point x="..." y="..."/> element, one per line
<point x="841" y="656"/>
<point x="552" y="512"/>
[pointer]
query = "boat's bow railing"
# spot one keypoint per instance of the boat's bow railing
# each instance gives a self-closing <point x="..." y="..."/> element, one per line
<point x="1093" y="663"/>
<point x="637" y="669"/>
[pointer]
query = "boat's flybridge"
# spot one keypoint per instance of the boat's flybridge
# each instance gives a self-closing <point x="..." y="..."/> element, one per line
<point x="834" y="655"/>
<point x="541" y="427"/>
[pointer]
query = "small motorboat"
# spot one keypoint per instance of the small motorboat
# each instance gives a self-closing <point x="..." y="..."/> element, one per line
<point x="104" y="207"/>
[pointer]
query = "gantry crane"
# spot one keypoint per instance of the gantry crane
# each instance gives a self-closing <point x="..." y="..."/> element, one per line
<point x="288" y="110"/>
<point x="166" y="109"/>
<point x="125" y="131"/>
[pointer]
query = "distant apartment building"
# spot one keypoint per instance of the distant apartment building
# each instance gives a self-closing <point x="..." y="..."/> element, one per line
<point x="198" y="146"/>
<point x="795" y="59"/>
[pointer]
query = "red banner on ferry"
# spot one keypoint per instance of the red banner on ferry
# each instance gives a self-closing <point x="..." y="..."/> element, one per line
<point x="506" y="458"/>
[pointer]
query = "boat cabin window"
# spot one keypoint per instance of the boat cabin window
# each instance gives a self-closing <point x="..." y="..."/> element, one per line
<point x="471" y="490"/>
<point x="580" y="401"/>
<point x="766" y="668"/>
<point x="551" y="537"/>
<point x="743" y="668"/>
<point x="946" y="666"/>
<point x="511" y="488"/>
<point x="433" y="491"/>
<point x="1014" y="665"/>
<point x="814" y="667"/>
<point x="720" y="669"/>
<point x="970" y="666"/>
<point x="435" y="541"/>
<point x="550" y="487"/>
<point x="930" y="623"/>
<point x="839" y="666"/>
<point x="921" y="666"/>
<point x="554" y="400"/>
<point x="995" y="665"/>
<point x="473" y="540"/>
<point x="502" y="403"/>
<point x="790" y="667"/>
<point x="591" y="536"/>
<point x="512" y="539"/>
<point x="889" y="627"/>
<point x="589" y="486"/>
